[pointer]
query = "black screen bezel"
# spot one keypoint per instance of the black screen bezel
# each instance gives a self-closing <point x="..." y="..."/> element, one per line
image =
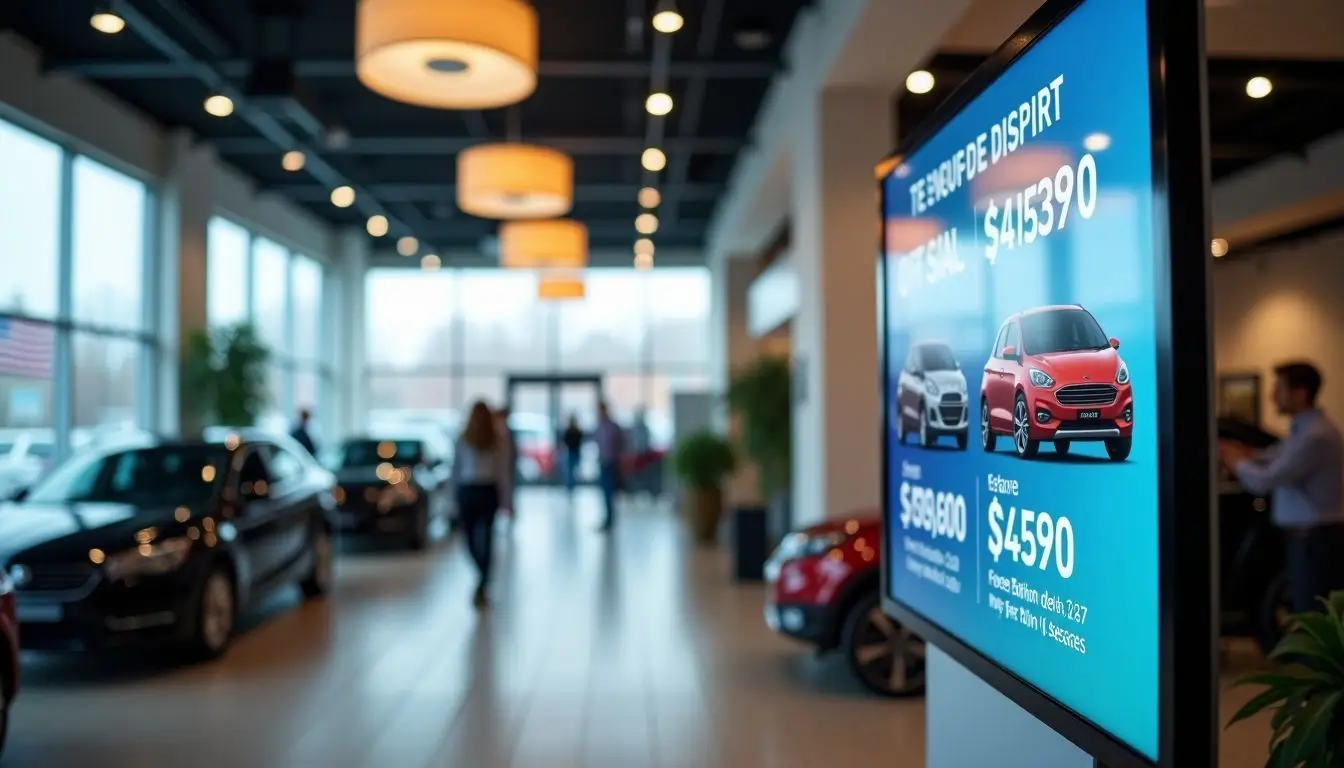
<point x="1188" y="658"/>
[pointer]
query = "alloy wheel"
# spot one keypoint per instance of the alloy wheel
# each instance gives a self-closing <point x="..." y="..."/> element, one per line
<point x="217" y="611"/>
<point x="889" y="656"/>
<point x="984" y="424"/>
<point x="1021" y="427"/>
<point x="923" y="425"/>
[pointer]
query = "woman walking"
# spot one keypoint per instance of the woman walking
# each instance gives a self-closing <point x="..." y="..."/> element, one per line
<point x="482" y="475"/>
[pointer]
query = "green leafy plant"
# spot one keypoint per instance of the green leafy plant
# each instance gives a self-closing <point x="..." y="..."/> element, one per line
<point x="224" y="375"/>
<point x="1307" y="694"/>
<point x="703" y="459"/>
<point x="761" y="395"/>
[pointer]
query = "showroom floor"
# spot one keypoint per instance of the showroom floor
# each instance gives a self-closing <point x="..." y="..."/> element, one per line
<point x="622" y="653"/>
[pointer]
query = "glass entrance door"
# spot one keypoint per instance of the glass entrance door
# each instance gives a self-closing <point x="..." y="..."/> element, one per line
<point x="540" y="409"/>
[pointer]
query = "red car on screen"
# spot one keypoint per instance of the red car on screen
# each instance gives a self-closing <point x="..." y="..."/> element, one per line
<point x="824" y="588"/>
<point x="9" y="654"/>
<point x="1053" y="376"/>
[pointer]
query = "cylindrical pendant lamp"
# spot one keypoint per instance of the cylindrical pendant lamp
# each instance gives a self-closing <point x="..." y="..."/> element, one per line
<point x="545" y="244"/>
<point x="514" y="181"/>
<point x="560" y="287"/>
<point x="447" y="54"/>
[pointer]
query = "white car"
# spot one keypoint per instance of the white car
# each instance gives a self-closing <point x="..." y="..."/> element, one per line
<point x="931" y="396"/>
<point x="25" y="455"/>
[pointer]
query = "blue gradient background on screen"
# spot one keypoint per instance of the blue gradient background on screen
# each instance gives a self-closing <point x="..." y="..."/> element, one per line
<point x="1104" y="263"/>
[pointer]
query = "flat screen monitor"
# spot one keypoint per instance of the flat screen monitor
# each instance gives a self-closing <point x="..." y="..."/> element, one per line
<point x="1030" y="312"/>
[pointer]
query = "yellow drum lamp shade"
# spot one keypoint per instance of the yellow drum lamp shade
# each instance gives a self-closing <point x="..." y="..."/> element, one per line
<point x="548" y="244"/>
<point x="560" y="287"/>
<point x="447" y="54"/>
<point x="514" y="181"/>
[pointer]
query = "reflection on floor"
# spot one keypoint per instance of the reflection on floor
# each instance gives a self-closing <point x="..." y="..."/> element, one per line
<point x="616" y="653"/>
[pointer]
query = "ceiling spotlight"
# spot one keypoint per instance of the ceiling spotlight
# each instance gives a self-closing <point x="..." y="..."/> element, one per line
<point x="1096" y="142"/>
<point x="646" y="223"/>
<point x="377" y="225"/>
<point x="658" y="104"/>
<point x="654" y="159"/>
<point x="293" y="160"/>
<point x="107" y="22"/>
<point x="337" y="138"/>
<point x="666" y="19"/>
<point x="1258" y="87"/>
<point x="649" y="197"/>
<point x="430" y="262"/>
<point x="643" y="261"/>
<point x="1218" y="248"/>
<point x="219" y="105"/>
<point x="753" y="35"/>
<point x="919" y="81"/>
<point x="343" y="197"/>
<point x="407" y="246"/>
<point x="644" y="246"/>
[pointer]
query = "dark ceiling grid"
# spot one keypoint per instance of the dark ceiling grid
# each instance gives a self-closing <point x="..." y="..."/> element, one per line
<point x="688" y="123"/>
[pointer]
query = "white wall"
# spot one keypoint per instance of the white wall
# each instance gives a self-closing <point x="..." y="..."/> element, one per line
<point x="1283" y="305"/>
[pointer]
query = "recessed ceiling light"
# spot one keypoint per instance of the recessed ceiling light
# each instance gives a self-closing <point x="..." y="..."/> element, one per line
<point x="646" y="223"/>
<point x="219" y="105"/>
<point x="649" y="197"/>
<point x="643" y="261"/>
<point x="407" y="246"/>
<point x="430" y="262"/>
<point x="343" y="197"/>
<point x="753" y="37"/>
<point x="377" y="225"/>
<point x="107" y="22"/>
<point x="1096" y="142"/>
<point x="293" y="160"/>
<point x="1218" y="247"/>
<point x="1258" y="87"/>
<point x="919" y="81"/>
<point x="667" y="19"/>
<point x="654" y="159"/>
<point x="658" y="104"/>
<point x="644" y="246"/>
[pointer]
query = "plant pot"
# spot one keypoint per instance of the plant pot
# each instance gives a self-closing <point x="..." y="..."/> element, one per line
<point x="703" y="508"/>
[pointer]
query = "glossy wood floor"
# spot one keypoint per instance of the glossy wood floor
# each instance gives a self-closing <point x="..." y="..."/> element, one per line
<point x="625" y="652"/>
<point x="604" y="653"/>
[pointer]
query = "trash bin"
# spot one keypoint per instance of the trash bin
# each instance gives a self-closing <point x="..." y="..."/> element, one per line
<point x="750" y="543"/>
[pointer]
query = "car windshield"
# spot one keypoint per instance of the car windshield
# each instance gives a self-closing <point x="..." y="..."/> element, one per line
<point x="937" y="358"/>
<point x="1062" y="330"/>
<point x="155" y="476"/>
<point x="369" y="453"/>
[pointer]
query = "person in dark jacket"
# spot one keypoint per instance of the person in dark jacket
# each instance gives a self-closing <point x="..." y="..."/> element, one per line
<point x="300" y="433"/>
<point x="573" y="441"/>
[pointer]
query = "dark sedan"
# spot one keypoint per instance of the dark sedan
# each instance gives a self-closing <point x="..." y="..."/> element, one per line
<point x="393" y="485"/>
<point x="165" y="542"/>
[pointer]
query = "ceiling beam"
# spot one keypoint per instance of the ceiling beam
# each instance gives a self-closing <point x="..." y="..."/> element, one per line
<point x="451" y="145"/>
<point x="426" y="193"/>
<point x="133" y="69"/>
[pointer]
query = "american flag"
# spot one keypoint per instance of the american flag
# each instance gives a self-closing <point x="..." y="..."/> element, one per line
<point x="27" y="349"/>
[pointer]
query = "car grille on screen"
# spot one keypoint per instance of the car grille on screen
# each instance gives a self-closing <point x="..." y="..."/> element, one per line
<point x="951" y="407"/>
<point x="58" y="578"/>
<point x="1086" y="394"/>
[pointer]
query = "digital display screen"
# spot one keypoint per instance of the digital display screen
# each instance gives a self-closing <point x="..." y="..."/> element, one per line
<point x="1021" y="367"/>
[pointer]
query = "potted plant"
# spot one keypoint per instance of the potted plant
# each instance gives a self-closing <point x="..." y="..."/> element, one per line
<point x="760" y="395"/>
<point x="702" y="460"/>
<point x="1307" y="695"/>
<point x="224" y="376"/>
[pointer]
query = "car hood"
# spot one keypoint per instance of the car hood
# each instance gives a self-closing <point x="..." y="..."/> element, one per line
<point x="66" y="533"/>
<point x="1096" y="367"/>
<point x="947" y="381"/>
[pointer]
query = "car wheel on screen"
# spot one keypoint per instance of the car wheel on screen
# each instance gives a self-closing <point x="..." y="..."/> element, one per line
<point x="1062" y="447"/>
<point x="962" y="440"/>
<point x="884" y="656"/>
<point x="900" y="426"/>
<point x="1025" y="446"/>
<point x="1118" y="448"/>
<point x="216" y="614"/>
<point x="987" y="437"/>
<point x="926" y="438"/>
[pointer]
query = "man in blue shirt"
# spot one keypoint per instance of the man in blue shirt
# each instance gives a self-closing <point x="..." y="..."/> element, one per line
<point x="610" y="451"/>
<point x="1304" y="472"/>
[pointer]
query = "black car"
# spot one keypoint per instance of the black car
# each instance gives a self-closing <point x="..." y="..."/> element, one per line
<point x="393" y="486"/>
<point x="165" y="541"/>
<point x="1253" y="585"/>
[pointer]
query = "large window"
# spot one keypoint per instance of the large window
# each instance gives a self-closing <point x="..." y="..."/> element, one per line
<point x="30" y="223"/>
<point x="270" y="291"/>
<point x="678" y="318"/>
<point x="228" y="269"/>
<point x="503" y="323"/>
<point x="109" y="247"/>
<point x="306" y="315"/>
<point x="597" y="334"/>
<point x="409" y="319"/>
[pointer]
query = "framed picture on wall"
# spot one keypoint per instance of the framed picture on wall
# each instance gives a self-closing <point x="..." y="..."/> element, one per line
<point x="1238" y="397"/>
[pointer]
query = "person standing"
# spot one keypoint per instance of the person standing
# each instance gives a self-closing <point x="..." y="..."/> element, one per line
<point x="482" y="476"/>
<point x="301" y="434"/>
<point x="573" y="441"/>
<point x="1305" y="474"/>
<point x="610" y="453"/>
<point x="505" y="434"/>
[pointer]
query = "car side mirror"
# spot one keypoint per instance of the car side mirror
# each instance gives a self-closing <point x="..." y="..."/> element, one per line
<point x="1115" y="343"/>
<point x="1010" y="352"/>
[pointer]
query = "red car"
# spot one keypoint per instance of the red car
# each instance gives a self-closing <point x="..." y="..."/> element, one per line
<point x="9" y="654"/>
<point x="1053" y="376"/>
<point x="823" y="589"/>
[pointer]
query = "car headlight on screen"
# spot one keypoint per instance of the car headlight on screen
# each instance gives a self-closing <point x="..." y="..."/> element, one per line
<point x="1040" y="378"/>
<point x="931" y="386"/>
<point x="1122" y="375"/>
<point x="154" y="559"/>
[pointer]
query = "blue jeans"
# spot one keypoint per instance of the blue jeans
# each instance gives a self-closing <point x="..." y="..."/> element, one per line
<point x="609" y="479"/>
<point x="571" y="470"/>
